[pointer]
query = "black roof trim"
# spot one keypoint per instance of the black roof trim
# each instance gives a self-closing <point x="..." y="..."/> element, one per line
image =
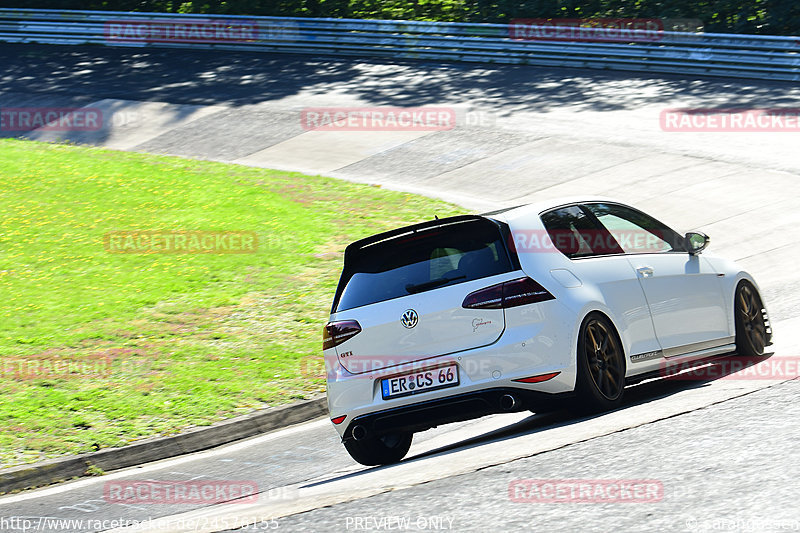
<point x="391" y="234"/>
<point x="502" y="210"/>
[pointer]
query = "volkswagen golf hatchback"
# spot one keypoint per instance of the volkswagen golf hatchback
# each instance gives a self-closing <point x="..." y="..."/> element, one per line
<point x="523" y="308"/>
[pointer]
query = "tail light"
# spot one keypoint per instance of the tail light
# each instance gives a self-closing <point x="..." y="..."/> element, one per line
<point x="512" y="293"/>
<point x="538" y="379"/>
<point x="335" y="333"/>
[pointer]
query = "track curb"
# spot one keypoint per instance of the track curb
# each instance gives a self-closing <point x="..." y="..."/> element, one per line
<point x="197" y="439"/>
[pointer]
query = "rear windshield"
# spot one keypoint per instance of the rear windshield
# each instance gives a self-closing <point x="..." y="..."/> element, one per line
<point x="422" y="261"/>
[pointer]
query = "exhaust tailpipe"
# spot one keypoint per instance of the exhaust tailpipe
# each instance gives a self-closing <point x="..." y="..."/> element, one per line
<point x="359" y="432"/>
<point x="508" y="402"/>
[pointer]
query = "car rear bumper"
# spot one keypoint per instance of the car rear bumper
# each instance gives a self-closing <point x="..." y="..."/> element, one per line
<point x="457" y="408"/>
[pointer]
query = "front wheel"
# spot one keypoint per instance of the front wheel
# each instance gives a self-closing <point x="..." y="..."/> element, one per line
<point x="382" y="450"/>
<point x="752" y="334"/>
<point x="601" y="366"/>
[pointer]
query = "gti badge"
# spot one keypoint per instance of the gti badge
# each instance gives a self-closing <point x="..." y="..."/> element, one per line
<point x="409" y="319"/>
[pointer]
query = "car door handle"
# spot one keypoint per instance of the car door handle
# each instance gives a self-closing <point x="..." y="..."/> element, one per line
<point x="645" y="272"/>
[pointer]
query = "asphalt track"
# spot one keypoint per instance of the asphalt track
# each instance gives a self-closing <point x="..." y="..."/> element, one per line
<point x="723" y="449"/>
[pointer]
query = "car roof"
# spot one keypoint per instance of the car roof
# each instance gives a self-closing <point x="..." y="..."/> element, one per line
<point x="508" y="215"/>
<point x="534" y="208"/>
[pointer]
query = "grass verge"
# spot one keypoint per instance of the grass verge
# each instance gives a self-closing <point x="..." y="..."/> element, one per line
<point x="98" y="349"/>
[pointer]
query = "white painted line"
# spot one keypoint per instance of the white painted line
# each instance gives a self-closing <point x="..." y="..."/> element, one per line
<point x="167" y="463"/>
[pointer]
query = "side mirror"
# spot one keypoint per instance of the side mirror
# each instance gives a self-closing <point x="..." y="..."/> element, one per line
<point x="696" y="242"/>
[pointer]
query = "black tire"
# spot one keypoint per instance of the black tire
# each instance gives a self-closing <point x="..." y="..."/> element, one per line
<point x="601" y="366"/>
<point x="383" y="450"/>
<point x="752" y="330"/>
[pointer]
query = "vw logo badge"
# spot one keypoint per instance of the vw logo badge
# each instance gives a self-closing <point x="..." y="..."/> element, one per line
<point x="409" y="319"/>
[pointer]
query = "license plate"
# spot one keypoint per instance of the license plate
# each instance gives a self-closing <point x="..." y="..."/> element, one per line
<point x="422" y="381"/>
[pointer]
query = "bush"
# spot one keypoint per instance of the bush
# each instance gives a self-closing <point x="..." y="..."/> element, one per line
<point x="775" y="17"/>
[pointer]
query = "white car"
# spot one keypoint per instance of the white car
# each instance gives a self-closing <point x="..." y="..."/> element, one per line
<point x="457" y="318"/>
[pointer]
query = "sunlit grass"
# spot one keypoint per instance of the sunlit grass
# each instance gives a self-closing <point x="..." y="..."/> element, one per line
<point x="176" y="339"/>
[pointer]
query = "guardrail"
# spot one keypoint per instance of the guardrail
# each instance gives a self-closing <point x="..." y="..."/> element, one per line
<point x="741" y="56"/>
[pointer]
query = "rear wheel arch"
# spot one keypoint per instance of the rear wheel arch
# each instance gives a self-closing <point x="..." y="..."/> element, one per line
<point x="608" y="315"/>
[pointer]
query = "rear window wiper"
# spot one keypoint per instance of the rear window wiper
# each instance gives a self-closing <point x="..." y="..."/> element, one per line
<point x="414" y="288"/>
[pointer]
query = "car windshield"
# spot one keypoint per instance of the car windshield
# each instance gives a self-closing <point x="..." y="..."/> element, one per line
<point x="424" y="260"/>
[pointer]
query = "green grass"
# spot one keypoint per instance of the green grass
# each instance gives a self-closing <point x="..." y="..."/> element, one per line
<point x="174" y="340"/>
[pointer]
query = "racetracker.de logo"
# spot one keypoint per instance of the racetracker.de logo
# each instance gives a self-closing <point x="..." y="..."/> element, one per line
<point x="180" y="492"/>
<point x="733" y="368"/>
<point x="589" y="29"/>
<point x="49" y="366"/>
<point x="596" y="242"/>
<point x="777" y="119"/>
<point x="60" y="119"/>
<point x="378" y="118"/>
<point x="181" y="242"/>
<point x="183" y="31"/>
<point x="585" y="491"/>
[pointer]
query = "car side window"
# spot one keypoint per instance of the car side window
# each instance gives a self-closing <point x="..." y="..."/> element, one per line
<point x="575" y="234"/>
<point x="635" y="231"/>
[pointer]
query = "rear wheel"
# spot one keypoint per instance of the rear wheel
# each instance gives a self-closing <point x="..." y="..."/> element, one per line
<point x="601" y="366"/>
<point x="752" y="335"/>
<point x="382" y="450"/>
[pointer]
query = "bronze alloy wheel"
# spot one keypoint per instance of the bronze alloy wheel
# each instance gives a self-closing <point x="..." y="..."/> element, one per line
<point x="601" y="365"/>
<point x="605" y="359"/>
<point x="752" y="335"/>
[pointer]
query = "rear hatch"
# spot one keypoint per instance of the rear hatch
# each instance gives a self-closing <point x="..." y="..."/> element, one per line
<point x="405" y="289"/>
